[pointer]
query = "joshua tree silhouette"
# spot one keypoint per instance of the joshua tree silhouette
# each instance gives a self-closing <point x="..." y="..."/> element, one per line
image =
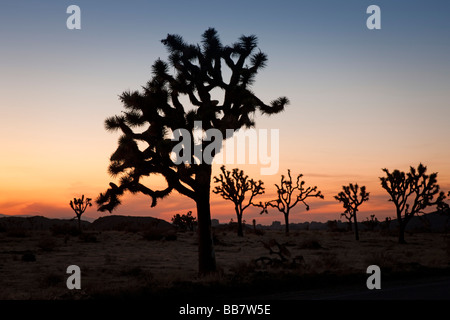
<point x="411" y="193"/>
<point x="233" y="186"/>
<point x="198" y="71"/>
<point x="185" y="221"/>
<point x="351" y="202"/>
<point x="287" y="199"/>
<point x="371" y="223"/>
<point x="79" y="205"/>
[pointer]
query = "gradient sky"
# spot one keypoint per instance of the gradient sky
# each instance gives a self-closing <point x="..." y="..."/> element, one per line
<point x="361" y="99"/>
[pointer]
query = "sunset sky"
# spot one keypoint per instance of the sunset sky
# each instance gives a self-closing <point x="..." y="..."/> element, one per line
<point x="361" y="100"/>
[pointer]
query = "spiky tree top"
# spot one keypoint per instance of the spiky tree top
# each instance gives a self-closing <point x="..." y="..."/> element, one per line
<point x="413" y="191"/>
<point x="288" y="194"/>
<point x="158" y="111"/>
<point x="79" y="205"/>
<point x="352" y="197"/>
<point x="234" y="185"/>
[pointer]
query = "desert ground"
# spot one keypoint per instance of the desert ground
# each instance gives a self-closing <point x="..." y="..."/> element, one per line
<point x="122" y="264"/>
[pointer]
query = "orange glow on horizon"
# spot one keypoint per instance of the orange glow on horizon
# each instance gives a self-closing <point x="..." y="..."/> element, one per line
<point x="35" y="194"/>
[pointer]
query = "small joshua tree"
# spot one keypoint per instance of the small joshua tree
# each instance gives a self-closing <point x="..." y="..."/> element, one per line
<point x="411" y="193"/>
<point x="289" y="195"/>
<point x="79" y="205"/>
<point x="351" y="202"/>
<point x="233" y="186"/>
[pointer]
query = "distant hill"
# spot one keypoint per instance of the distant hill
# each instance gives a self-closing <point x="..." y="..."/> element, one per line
<point x="431" y="222"/>
<point x="130" y="223"/>
<point x="20" y="215"/>
<point x="36" y="223"/>
<point x="113" y="222"/>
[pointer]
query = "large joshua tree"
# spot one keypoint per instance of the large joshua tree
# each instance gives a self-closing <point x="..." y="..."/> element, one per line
<point x="160" y="111"/>
<point x="411" y="193"/>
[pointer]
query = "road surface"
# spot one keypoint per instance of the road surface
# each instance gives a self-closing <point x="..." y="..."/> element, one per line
<point x="431" y="288"/>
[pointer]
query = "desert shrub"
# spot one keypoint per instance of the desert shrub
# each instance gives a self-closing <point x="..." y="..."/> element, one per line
<point x="17" y="233"/>
<point x="88" y="237"/>
<point x="52" y="279"/>
<point x="154" y="234"/>
<point x="47" y="244"/>
<point x="371" y="223"/>
<point x="243" y="267"/>
<point x="331" y="261"/>
<point x="28" y="256"/>
<point x="258" y="232"/>
<point x="382" y="259"/>
<point x="131" y="271"/>
<point x="171" y="236"/>
<point x="327" y="262"/>
<point x="64" y="229"/>
<point x="218" y="241"/>
<point x="110" y="259"/>
<point x="130" y="229"/>
<point x="242" y="270"/>
<point x="313" y="244"/>
<point x="136" y="272"/>
<point x="447" y="247"/>
<point x="333" y="226"/>
<point x="185" y="221"/>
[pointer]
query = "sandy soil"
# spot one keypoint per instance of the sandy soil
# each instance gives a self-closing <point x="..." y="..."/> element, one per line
<point x="33" y="266"/>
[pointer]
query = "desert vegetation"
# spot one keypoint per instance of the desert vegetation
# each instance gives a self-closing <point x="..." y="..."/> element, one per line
<point x="411" y="193"/>
<point x="79" y="206"/>
<point x="184" y="221"/>
<point x="148" y="257"/>
<point x="198" y="71"/>
<point x="234" y="186"/>
<point x="351" y="200"/>
<point x="155" y="261"/>
<point x="289" y="194"/>
<point x="157" y="119"/>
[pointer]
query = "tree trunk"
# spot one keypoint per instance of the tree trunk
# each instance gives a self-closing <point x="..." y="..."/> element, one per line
<point x="401" y="227"/>
<point x="401" y="232"/>
<point x="356" y="226"/>
<point x="240" y="232"/>
<point x="286" y="221"/>
<point x="206" y="254"/>
<point x="349" y="225"/>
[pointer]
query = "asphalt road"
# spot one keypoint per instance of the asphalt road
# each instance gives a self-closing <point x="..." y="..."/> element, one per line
<point x="435" y="289"/>
<point x="432" y="288"/>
